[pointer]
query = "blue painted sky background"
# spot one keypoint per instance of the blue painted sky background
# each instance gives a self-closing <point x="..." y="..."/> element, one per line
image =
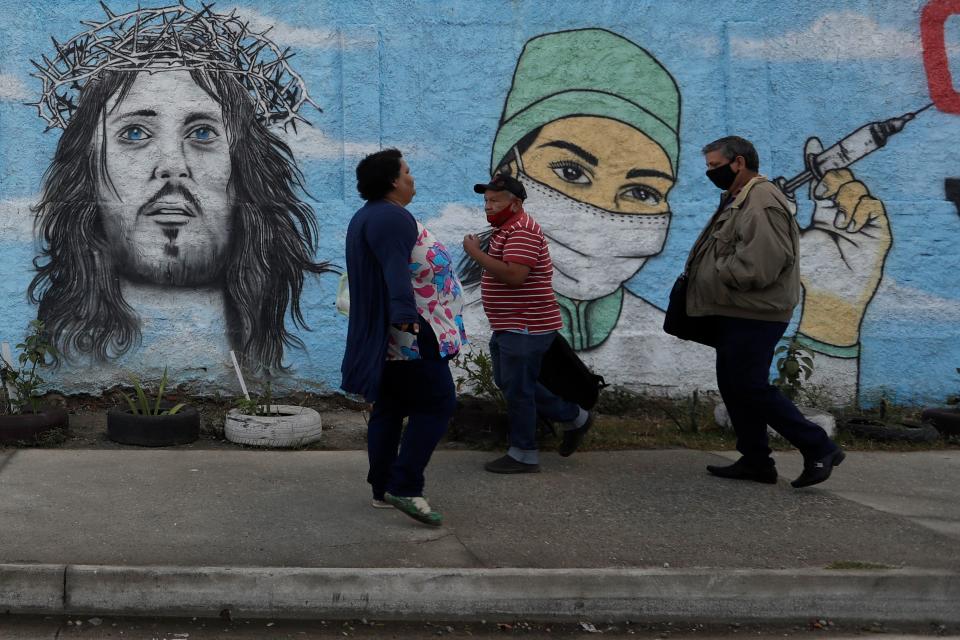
<point x="431" y="77"/>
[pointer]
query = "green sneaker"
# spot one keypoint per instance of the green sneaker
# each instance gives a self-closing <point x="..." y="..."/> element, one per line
<point x="417" y="508"/>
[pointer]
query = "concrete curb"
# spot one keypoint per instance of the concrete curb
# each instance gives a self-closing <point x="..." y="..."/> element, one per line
<point x="617" y="594"/>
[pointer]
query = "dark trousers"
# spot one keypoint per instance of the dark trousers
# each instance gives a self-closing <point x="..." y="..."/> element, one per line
<point x="516" y="359"/>
<point x="744" y="354"/>
<point x="423" y="391"/>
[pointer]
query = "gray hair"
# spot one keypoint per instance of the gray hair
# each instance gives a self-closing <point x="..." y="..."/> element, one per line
<point x="733" y="146"/>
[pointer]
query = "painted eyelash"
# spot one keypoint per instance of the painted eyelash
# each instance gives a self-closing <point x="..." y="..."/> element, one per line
<point x="568" y="164"/>
<point x="656" y="194"/>
<point x="146" y="132"/>
<point x="204" y="126"/>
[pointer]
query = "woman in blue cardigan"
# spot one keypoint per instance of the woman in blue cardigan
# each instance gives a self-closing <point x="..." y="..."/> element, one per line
<point x="405" y="324"/>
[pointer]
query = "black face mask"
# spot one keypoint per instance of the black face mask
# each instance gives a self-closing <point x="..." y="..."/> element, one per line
<point x="723" y="177"/>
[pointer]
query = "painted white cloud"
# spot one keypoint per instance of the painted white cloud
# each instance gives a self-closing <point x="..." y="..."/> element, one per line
<point x="288" y="35"/>
<point x="12" y="88"/>
<point x="895" y="300"/>
<point x="708" y="45"/>
<point x="311" y="142"/>
<point x="16" y="219"/>
<point x="833" y="36"/>
<point x="455" y="221"/>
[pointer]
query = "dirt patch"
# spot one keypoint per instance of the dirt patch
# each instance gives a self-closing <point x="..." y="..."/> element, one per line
<point x="344" y="422"/>
<point x="624" y="421"/>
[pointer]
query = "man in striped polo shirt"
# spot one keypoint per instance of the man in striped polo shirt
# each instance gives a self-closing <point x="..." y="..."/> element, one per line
<point x="517" y="293"/>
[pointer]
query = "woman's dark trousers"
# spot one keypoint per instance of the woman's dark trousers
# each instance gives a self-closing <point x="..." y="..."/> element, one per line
<point x="422" y="391"/>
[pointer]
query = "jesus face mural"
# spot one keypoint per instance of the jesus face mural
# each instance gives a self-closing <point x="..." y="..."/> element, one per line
<point x="164" y="196"/>
<point x="169" y="174"/>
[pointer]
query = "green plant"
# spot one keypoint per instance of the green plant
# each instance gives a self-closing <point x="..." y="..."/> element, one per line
<point x="817" y="396"/>
<point x="684" y="413"/>
<point x="257" y="406"/>
<point x="620" y="401"/>
<point x="145" y="407"/>
<point x="794" y="366"/>
<point x="35" y="351"/>
<point x="477" y="367"/>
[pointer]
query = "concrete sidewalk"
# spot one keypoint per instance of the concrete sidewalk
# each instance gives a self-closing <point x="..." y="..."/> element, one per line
<point x="633" y="534"/>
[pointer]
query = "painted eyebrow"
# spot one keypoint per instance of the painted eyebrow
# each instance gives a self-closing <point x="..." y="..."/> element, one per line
<point x="142" y="113"/>
<point x="200" y="115"/>
<point x="569" y="146"/>
<point x="648" y="173"/>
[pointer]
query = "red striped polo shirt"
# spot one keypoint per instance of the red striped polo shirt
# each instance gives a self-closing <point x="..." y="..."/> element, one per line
<point x="532" y="306"/>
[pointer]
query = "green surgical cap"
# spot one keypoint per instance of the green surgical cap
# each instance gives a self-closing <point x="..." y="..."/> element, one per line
<point x="589" y="72"/>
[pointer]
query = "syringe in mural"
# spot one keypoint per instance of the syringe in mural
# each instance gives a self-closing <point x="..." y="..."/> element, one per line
<point x="850" y="149"/>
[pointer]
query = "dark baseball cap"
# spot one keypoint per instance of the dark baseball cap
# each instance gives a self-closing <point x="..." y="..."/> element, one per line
<point x="503" y="182"/>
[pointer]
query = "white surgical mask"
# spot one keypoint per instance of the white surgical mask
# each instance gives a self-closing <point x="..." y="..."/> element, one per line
<point x="594" y="250"/>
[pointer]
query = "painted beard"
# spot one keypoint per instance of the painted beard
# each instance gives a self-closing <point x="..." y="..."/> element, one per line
<point x="172" y="257"/>
<point x="169" y="242"/>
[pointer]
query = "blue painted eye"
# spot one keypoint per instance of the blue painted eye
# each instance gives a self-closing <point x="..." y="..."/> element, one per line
<point x="203" y="134"/>
<point x="134" y="134"/>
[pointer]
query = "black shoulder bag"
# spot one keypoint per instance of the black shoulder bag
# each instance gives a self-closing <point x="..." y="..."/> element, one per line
<point x="566" y="375"/>
<point x="677" y="323"/>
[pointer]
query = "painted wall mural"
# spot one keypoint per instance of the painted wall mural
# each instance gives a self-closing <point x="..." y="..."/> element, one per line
<point x="189" y="194"/>
<point x="167" y="177"/>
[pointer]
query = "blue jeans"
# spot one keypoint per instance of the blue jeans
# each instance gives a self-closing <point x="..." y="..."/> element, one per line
<point x="744" y="353"/>
<point x="423" y="391"/>
<point x="516" y="366"/>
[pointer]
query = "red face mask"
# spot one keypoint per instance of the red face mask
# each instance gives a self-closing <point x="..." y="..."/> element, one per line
<point x="498" y="218"/>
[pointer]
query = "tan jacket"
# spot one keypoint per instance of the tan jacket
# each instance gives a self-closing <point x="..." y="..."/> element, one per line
<point x="746" y="262"/>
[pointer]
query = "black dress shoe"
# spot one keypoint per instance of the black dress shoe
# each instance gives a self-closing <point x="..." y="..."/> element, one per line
<point x="739" y="470"/>
<point x="573" y="437"/>
<point x="506" y="464"/>
<point x="816" y="471"/>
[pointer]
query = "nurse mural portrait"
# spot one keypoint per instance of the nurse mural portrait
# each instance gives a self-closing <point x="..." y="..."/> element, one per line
<point x="591" y="126"/>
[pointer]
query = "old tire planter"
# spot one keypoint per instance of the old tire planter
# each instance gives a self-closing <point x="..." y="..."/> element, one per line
<point x="124" y="427"/>
<point x="294" y="427"/>
<point x="822" y="419"/>
<point x="27" y="427"/>
<point x="946" y="421"/>
<point x="892" y="432"/>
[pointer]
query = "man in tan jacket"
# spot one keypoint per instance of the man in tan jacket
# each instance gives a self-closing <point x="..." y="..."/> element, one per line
<point x="744" y="273"/>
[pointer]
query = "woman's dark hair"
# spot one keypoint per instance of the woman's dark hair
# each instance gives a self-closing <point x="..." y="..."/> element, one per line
<point x="521" y="147"/>
<point x="377" y="172"/>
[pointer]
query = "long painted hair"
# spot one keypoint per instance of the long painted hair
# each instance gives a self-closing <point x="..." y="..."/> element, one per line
<point x="271" y="248"/>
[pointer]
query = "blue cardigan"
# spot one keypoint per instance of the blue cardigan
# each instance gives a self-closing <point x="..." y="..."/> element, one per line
<point x="380" y="238"/>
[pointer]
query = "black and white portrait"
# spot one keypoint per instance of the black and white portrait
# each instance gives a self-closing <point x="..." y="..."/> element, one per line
<point x="170" y="184"/>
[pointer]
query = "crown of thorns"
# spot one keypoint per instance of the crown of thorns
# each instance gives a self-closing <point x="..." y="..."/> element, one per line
<point x="182" y="38"/>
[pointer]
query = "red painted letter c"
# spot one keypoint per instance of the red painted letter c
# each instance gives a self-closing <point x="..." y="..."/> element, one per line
<point x="933" y="22"/>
